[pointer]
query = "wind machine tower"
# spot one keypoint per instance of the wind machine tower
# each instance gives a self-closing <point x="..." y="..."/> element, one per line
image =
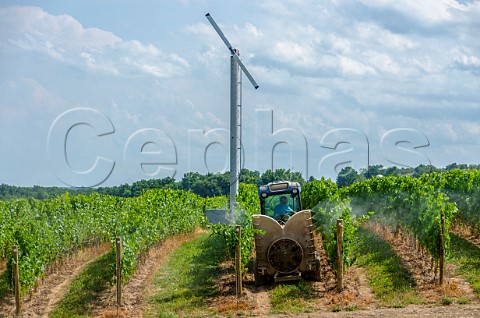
<point x="235" y="110"/>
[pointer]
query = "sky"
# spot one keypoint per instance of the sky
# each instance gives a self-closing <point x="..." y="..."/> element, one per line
<point x="103" y="92"/>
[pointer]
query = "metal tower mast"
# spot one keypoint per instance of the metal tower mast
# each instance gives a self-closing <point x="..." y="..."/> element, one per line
<point x="235" y="110"/>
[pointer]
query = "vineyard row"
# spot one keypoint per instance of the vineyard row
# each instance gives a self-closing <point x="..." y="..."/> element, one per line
<point x="45" y="231"/>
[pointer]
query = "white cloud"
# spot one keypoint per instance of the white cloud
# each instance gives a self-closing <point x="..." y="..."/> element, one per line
<point x="274" y="76"/>
<point x="202" y="29"/>
<point x="472" y="128"/>
<point x="61" y="31"/>
<point x="321" y="65"/>
<point x="383" y="62"/>
<point x="373" y="34"/>
<point x="63" y="38"/>
<point x="463" y="58"/>
<point x="339" y="44"/>
<point x="352" y="67"/>
<point x="430" y="11"/>
<point x="26" y="97"/>
<point x="253" y="31"/>
<point x="277" y="8"/>
<point x="294" y="53"/>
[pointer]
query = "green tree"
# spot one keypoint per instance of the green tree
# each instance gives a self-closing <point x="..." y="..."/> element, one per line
<point x="346" y="177"/>
<point x="280" y="175"/>
<point x="251" y="177"/>
<point x="373" y="171"/>
<point x="423" y="169"/>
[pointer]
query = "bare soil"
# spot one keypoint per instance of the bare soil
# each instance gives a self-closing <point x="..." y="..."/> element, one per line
<point x="256" y="300"/>
<point x="3" y="266"/>
<point x="49" y="291"/>
<point x="466" y="232"/>
<point x="424" y="270"/>
<point x="457" y="311"/>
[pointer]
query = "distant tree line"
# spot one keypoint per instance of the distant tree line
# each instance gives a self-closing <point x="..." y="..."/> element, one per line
<point x="214" y="184"/>
<point x="209" y="185"/>
<point x="348" y="175"/>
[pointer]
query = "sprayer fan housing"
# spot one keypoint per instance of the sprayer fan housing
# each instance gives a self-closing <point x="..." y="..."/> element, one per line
<point x="285" y="255"/>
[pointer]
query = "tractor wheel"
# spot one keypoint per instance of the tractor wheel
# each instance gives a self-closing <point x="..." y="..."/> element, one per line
<point x="260" y="279"/>
<point x="316" y="274"/>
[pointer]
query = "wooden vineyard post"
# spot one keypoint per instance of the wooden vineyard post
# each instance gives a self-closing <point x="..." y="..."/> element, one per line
<point x="16" y="280"/>
<point x="238" y="262"/>
<point x="118" y="246"/>
<point x="442" y="249"/>
<point x="340" y="255"/>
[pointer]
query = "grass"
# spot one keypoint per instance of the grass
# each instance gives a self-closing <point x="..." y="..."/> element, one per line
<point x="466" y="256"/>
<point x="391" y="283"/>
<point x="186" y="283"/>
<point x="463" y="300"/>
<point x="446" y="301"/>
<point x="292" y="298"/>
<point x="85" y="289"/>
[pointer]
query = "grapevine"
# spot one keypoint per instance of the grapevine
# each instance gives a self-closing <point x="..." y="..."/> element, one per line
<point x="47" y="230"/>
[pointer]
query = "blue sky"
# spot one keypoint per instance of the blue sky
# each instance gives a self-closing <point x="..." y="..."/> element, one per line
<point x="108" y="92"/>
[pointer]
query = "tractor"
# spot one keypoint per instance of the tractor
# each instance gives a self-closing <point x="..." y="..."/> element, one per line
<point x="285" y="247"/>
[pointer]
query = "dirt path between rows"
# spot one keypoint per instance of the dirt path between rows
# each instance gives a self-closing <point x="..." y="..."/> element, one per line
<point x="256" y="300"/>
<point x="50" y="290"/>
<point x="412" y="311"/>
<point x="139" y="287"/>
<point x="466" y="232"/>
<point x="420" y="265"/>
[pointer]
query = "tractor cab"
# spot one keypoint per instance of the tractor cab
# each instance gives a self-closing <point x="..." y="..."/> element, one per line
<point x="280" y="200"/>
